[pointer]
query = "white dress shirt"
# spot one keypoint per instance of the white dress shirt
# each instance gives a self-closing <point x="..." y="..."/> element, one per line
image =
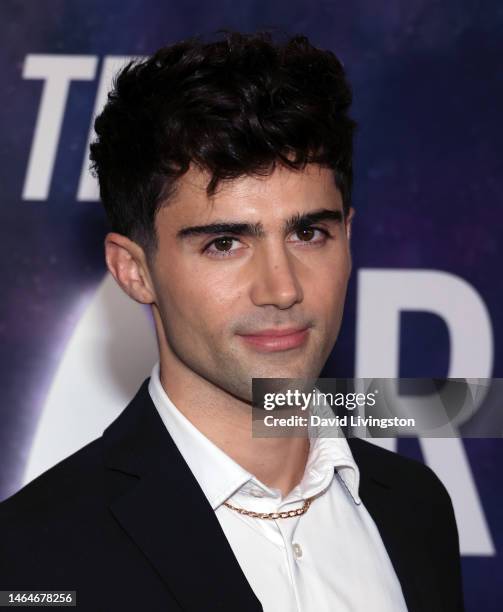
<point x="330" y="559"/>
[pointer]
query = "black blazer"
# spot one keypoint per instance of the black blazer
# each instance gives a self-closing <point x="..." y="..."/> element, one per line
<point x="124" y="522"/>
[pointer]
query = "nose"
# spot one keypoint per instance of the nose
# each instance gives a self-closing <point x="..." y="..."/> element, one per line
<point x="275" y="280"/>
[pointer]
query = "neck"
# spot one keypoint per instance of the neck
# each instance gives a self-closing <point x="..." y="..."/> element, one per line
<point x="278" y="462"/>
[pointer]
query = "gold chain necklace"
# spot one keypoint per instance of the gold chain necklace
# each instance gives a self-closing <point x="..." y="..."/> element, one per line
<point x="276" y="515"/>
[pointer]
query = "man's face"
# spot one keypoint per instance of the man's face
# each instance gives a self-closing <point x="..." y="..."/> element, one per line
<point x="264" y="255"/>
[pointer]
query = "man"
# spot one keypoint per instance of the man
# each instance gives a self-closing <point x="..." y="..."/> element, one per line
<point x="226" y="170"/>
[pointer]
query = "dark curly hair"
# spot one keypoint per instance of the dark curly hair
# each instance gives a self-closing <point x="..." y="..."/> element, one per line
<point x="233" y="107"/>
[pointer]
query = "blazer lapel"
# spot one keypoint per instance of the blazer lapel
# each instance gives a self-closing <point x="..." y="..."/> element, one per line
<point x="164" y="510"/>
<point x="399" y="525"/>
<point x="166" y="513"/>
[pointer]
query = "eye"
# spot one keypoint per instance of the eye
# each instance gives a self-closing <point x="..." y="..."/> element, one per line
<point x="312" y="235"/>
<point x="221" y="247"/>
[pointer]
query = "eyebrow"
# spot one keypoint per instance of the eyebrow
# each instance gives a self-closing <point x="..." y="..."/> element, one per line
<point x="256" y="230"/>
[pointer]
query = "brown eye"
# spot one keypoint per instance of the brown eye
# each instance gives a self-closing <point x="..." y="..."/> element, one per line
<point x="306" y="233"/>
<point x="223" y="244"/>
<point x="312" y="236"/>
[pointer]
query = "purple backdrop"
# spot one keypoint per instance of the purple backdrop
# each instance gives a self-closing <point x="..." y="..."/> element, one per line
<point x="428" y="92"/>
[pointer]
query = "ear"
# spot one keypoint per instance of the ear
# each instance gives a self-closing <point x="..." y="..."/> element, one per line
<point x="127" y="263"/>
<point x="348" y="222"/>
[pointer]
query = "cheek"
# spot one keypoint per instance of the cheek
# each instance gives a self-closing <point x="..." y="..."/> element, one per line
<point x="329" y="283"/>
<point x="200" y="300"/>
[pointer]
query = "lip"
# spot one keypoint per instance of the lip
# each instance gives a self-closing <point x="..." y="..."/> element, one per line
<point x="270" y="340"/>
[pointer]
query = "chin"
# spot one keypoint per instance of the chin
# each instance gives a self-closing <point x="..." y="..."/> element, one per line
<point x="298" y="371"/>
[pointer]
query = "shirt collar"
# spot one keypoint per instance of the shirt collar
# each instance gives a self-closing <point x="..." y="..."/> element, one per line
<point x="219" y="476"/>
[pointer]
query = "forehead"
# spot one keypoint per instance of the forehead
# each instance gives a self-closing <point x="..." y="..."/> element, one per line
<point x="251" y="198"/>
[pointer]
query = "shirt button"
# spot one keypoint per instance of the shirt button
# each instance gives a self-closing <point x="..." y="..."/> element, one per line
<point x="297" y="550"/>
